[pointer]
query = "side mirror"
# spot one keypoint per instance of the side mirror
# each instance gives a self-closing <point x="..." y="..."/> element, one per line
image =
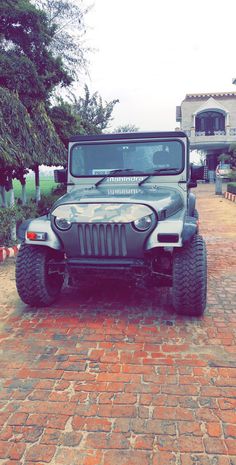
<point x="192" y="184"/>
<point x="197" y="172"/>
<point x="60" y="176"/>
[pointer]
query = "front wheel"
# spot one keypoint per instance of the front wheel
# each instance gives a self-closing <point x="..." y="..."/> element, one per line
<point x="190" y="278"/>
<point x="35" y="283"/>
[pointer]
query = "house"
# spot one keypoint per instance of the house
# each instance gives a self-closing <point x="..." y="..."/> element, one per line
<point x="209" y="120"/>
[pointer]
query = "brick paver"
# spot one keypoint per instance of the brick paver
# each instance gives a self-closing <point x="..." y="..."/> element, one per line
<point x="112" y="376"/>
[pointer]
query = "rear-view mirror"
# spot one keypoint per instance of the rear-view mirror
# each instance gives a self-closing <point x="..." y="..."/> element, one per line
<point x="197" y="172"/>
<point x="60" y="176"/>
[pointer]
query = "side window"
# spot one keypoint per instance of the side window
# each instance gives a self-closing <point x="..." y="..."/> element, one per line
<point x="77" y="161"/>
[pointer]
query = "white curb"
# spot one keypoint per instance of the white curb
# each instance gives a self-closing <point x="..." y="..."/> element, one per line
<point x="230" y="196"/>
<point x="6" y="252"/>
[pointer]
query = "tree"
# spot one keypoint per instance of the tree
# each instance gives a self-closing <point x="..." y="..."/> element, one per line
<point x="67" y="20"/>
<point x="17" y="140"/>
<point x="66" y="122"/>
<point x="232" y="153"/>
<point x="25" y="37"/>
<point x="201" y="156"/>
<point x="28" y="69"/>
<point x="95" y="115"/>
<point x="19" y="74"/>
<point x="16" y="143"/>
<point x="52" y="151"/>
<point x="225" y="157"/>
<point x="37" y="54"/>
<point x="25" y="140"/>
<point x="126" y="128"/>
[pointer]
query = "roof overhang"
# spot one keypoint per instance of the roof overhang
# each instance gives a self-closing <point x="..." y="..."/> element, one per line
<point x="211" y="104"/>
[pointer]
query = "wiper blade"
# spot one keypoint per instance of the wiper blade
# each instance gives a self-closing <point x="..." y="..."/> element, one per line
<point x="161" y="170"/>
<point x="121" y="171"/>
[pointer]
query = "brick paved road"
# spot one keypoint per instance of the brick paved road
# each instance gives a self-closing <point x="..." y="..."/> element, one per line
<point x="114" y="377"/>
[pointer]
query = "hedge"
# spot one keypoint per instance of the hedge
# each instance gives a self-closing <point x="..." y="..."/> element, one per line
<point x="16" y="215"/>
<point x="231" y="187"/>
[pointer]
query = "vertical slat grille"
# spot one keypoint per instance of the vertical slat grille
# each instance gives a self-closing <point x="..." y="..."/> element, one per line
<point x="102" y="240"/>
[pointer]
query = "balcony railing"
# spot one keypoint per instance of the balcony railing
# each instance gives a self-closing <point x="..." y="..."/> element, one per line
<point x="192" y="133"/>
<point x="208" y="133"/>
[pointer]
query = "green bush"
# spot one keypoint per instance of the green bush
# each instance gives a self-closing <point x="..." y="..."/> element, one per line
<point x="46" y="203"/>
<point x="16" y="215"/>
<point x="231" y="187"/>
<point x="27" y="211"/>
<point x="9" y="217"/>
<point x="59" y="190"/>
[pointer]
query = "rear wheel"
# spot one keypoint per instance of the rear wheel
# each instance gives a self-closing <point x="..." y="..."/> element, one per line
<point x="190" y="278"/>
<point x="36" y="284"/>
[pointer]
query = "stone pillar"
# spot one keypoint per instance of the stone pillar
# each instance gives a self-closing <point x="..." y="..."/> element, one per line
<point x="218" y="185"/>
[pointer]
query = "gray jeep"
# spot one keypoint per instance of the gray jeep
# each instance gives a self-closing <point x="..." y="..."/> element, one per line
<point x="128" y="213"/>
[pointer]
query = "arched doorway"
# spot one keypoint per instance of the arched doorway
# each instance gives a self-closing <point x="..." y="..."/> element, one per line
<point x="210" y="122"/>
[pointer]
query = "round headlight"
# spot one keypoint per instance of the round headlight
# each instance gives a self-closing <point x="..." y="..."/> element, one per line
<point x="144" y="223"/>
<point x="62" y="223"/>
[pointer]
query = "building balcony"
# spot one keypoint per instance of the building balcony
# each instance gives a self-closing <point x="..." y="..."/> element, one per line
<point x="205" y="133"/>
<point x="219" y="139"/>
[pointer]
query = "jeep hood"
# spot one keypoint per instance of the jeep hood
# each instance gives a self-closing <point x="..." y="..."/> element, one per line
<point x="115" y="204"/>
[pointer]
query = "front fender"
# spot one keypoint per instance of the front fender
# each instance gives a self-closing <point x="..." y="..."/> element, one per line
<point x="169" y="226"/>
<point x="43" y="224"/>
<point x="190" y="228"/>
<point x="191" y="203"/>
<point x="180" y="224"/>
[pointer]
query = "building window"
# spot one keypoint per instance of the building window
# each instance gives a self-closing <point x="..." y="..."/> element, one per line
<point x="210" y="122"/>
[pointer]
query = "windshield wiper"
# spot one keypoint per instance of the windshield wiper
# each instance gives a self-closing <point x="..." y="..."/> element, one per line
<point x="121" y="171"/>
<point x="161" y="170"/>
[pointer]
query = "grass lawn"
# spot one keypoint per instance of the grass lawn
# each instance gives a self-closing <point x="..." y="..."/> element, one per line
<point x="46" y="186"/>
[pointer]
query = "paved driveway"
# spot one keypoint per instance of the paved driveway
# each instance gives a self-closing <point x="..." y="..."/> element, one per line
<point x="114" y="377"/>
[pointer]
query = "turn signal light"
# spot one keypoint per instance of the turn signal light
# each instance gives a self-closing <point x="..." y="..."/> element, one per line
<point x="36" y="236"/>
<point x="168" y="238"/>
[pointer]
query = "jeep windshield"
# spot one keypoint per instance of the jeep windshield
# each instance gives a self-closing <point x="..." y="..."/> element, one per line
<point x="117" y="158"/>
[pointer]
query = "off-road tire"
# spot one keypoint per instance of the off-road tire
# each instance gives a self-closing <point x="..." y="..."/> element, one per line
<point x="35" y="286"/>
<point x="190" y="278"/>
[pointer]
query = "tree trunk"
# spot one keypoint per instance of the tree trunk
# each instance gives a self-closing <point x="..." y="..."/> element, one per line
<point x="3" y="197"/>
<point x="11" y="193"/>
<point x="12" y="204"/>
<point x="23" y="192"/>
<point x="37" y="184"/>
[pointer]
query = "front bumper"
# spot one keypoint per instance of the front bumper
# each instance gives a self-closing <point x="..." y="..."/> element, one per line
<point x="102" y="264"/>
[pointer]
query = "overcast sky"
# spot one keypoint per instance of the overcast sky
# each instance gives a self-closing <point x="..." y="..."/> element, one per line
<point x="149" y="54"/>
